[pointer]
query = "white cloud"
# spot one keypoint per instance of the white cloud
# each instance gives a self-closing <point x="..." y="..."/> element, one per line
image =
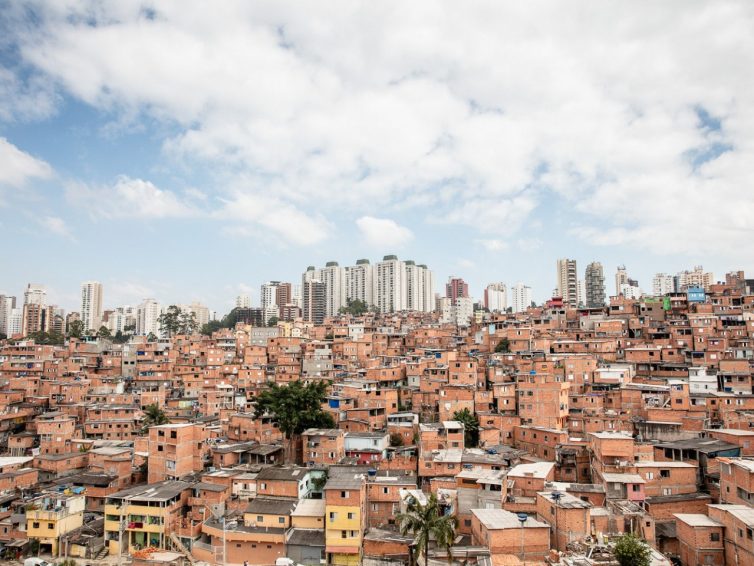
<point x="475" y="116"/>
<point x="493" y="245"/>
<point x="56" y="226"/>
<point x="18" y="167"/>
<point x="383" y="233"/>
<point x="128" y="198"/>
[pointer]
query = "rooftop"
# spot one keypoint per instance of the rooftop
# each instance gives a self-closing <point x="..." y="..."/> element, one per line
<point x="501" y="519"/>
<point x="697" y="520"/>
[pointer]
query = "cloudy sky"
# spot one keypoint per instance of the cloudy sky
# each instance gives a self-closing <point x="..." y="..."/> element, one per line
<point x="190" y="150"/>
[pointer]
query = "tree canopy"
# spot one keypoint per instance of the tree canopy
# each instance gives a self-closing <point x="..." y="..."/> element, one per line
<point x="154" y="416"/>
<point x="47" y="338"/>
<point x="504" y="346"/>
<point x="630" y="550"/>
<point x="355" y="307"/>
<point x="177" y="321"/>
<point x="427" y="522"/>
<point x="76" y="329"/>
<point x="103" y="332"/>
<point x="470" y="427"/>
<point x="296" y="407"/>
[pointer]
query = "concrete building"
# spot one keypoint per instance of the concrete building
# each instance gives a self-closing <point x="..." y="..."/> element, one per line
<point x="695" y="278"/>
<point x="313" y="301"/>
<point x="175" y="450"/>
<point x="630" y="291"/>
<point x="345" y="515"/>
<point x="201" y="313"/>
<point x="662" y="284"/>
<point x="36" y="317"/>
<point x="390" y="286"/>
<point x="621" y="278"/>
<point x="51" y="516"/>
<point x="7" y="304"/>
<point x="147" y="314"/>
<point x="91" y="305"/>
<point x="35" y="295"/>
<point x="359" y="281"/>
<point x="456" y="287"/>
<point x="334" y="278"/>
<point x="520" y="297"/>
<point x="496" y="297"/>
<point x="594" y="283"/>
<point x="567" y="282"/>
<point x="243" y="301"/>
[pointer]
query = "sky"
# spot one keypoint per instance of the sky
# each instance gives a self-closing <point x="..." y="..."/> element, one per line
<point x="192" y="150"/>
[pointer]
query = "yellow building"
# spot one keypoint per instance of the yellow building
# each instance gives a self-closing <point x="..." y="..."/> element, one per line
<point x="144" y="516"/>
<point x="345" y="519"/>
<point x="53" y="515"/>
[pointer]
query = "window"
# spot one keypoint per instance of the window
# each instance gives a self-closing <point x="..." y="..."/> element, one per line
<point x="636" y="487"/>
<point x="714" y="537"/>
<point x="51" y="526"/>
<point x="650" y="475"/>
<point x="333" y="515"/>
<point x="260" y="519"/>
<point x="343" y="494"/>
<point x="35" y="525"/>
<point x="343" y="534"/>
<point x="664" y="473"/>
<point x="281" y="520"/>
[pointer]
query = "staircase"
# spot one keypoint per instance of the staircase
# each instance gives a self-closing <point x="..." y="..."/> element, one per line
<point x="180" y="548"/>
<point x="101" y="554"/>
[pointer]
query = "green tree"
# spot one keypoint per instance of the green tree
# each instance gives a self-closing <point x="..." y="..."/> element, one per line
<point x="47" y="338"/>
<point x="151" y="337"/>
<point x="427" y="522"/>
<point x="470" y="427"/>
<point x="503" y="347"/>
<point x="630" y="550"/>
<point x="296" y="407"/>
<point x="120" y="337"/>
<point x="154" y="416"/>
<point x="103" y="332"/>
<point x="354" y="307"/>
<point x="212" y="326"/>
<point x="273" y="321"/>
<point x="396" y="439"/>
<point x="76" y="329"/>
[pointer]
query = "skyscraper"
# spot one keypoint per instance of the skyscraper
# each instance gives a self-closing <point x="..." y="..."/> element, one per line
<point x="360" y="282"/>
<point x="91" y="305"/>
<point x="496" y="297"/>
<point x="147" y="314"/>
<point x="621" y="278"/>
<point x="391" y="290"/>
<point x="456" y="287"/>
<point x="243" y="301"/>
<point x="35" y="295"/>
<point x="520" y="297"/>
<point x="313" y="292"/>
<point x="7" y="304"/>
<point x="568" y="284"/>
<point x="333" y="276"/>
<point x="594" y="282"/>
<point x="662" y="284"/>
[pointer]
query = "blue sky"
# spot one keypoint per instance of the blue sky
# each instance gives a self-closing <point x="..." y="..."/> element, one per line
<point x="185" y="154"/>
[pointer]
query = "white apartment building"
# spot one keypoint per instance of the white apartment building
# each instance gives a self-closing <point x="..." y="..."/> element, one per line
<point x="630" y="291"/>
<point x="662" y="284"/>
<point x="496" y="297"/>
<point x="147" y="314"/>
<point x="567" y="279"/>
<point x="35" y="295"/>
<point x="243" y="301"/>
<point x="91" y="305"/>
<point x="7" y="304"/>
<point x="359" y="281"/>
<point x="391" y="292"/>
<point x="520" y="297"/>
<point x="334" y="278"/>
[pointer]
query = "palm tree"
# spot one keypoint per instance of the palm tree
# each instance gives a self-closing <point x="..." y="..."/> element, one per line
<point x="427" y="522"/>
<point x="154" y="416"/>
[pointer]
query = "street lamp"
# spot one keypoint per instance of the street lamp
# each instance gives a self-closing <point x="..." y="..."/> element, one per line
<point x="522" y="519"/>
<point x="556" y="496"/>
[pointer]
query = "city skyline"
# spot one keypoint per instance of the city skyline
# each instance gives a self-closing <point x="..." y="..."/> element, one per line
<point x="400" y="148"/>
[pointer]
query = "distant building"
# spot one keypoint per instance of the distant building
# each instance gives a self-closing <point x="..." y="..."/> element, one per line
<point x="35" y="295"/>
<point x="621" y="278"/>
<point x="520" y="297"/>
<point x="456" y="287"/>
<point x="91" y="305"/>
<point x="662" y="284"/>
<point x="7" y="304"/>
<point x="495" y="297"/>
<point x="243" y="301"/>
<point x="314" y="301"/>
<point x="147" y="314"/>
<point x="359" y="280"/>
<point x="36" y="318"/>
<point x="567" y="282"/>
<point x="594" y="283"/>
